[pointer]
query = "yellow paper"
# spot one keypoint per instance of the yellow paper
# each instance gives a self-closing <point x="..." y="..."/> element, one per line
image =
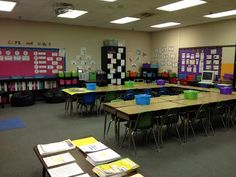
<point x="84" y="141"/>
<point x="73" y="91"/>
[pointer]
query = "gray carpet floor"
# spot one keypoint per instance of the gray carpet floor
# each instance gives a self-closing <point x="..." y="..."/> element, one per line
<point x="212" y="156"/>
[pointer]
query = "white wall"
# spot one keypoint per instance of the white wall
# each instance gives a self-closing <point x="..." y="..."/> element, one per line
<point x="211" y="34"/>
<point x="72" y="38"/>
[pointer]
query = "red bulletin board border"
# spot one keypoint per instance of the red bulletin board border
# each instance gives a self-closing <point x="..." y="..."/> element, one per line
<point x="31" y="62"/>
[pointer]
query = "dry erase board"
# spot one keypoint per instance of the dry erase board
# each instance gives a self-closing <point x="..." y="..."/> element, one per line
<point x="24" y="61"/>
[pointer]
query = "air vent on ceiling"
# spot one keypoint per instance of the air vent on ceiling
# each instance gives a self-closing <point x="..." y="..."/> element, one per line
<point x="62" y="8"/>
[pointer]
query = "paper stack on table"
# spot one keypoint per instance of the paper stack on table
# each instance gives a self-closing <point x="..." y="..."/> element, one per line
<point x="65" y="170"/>
<point x="103" y="156"/>
<point x="97" y="146"/>
<point x="58" y="159"/>
<point x="118" y="168"/>
<point x="45" y="149"/>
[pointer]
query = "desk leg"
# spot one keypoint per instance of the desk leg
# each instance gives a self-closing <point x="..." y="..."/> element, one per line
<point x="105" y="126"/>
<point x="44" y="172"/>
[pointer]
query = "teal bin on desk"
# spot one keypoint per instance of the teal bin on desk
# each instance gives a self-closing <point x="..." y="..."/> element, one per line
<point x="91" y="86"/>
<point x="142" y="99"/>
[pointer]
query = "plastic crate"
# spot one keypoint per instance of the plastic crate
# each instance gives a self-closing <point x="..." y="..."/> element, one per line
<point x="191" y="94"/>
<point x="91" y="86"/>
<point x="146" y="65"/>
<point x="74" y="73"/>
<point x="226" y="90"/>
<point x="190" y="77"/>
<point x="154" y="65"/>
<point x="74" y="81"/>
<point x="160" y="82"/>
<point x="68" y="82"/>
<point x="171" y="75"/>
<point x="129" y="83"/>
<point x="67" y="74"/>
<point x="142" y="99"/>
<point x="164" y="74"/>
<point x="132" y="74"/>
<point x="182" y="76"/>
<point x="61" y="82"/>
<point x="92" y="76"/>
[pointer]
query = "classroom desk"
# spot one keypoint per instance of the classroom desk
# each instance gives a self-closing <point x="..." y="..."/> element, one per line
<point x="110" y="108"/>
<point x="80" y="160"/>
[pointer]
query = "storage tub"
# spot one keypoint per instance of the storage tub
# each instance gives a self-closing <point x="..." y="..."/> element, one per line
<point x="67" y="74"/>
<point x="154" y="65"/>
<point x="199" y="78"/>
<point x="61" y="74"/>
<point x="68" y="82"/>
<point x="165" y="74"/>
<point x="142" y="99"/>
<point x="110" y="42"/>
<point x="129" y="83"/>
<point x="171" y="75"/>
<point x="74" y="81"/>
<point x="160" y="82"/>
<point x="61" y="82"/>
<point x="182" y="76"/>
<point x="74" y="74"/>
<point x="91" y="86"/>
<point x="132" y="74"/>
<point x="146" y="65"/>
<point x="228" y="77"/>
<point x="226" y="90"/>
<point x="190" y="77"/>
<point x="92" y="76"/>
<point x="191" y="94"/>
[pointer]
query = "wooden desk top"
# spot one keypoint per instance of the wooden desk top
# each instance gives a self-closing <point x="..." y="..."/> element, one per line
<point x="173" y="97"/>
<point x="131" y="103"/>
<point x="137" y="109"/>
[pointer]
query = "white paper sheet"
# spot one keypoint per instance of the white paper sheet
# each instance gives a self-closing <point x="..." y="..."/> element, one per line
<point x="209" y="57"/>
<point x="113" y="61"/>
<point x="119" y="69"/>
<point x="118" y="56"/>
<point x="213" y="51"/>
<point x="118" y="81"/>
<point x="109" y="66"/>
<point x="216" y="57"/>
<point x="65" y="170"/>
<point x="208" y="62"/>
<point x="83" y="175"/>
<point x="58" y="159"/>
<point x="122" y="75"/>
<point x="120" y="50"/>
<point x="110" y="76"/>
<point x="122" y="63"/>
<point x="110" y="55"/>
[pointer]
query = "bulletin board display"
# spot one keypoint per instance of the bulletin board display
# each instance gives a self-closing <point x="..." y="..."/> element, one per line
<point x="195" y="60"/>
<point x="24" y="61"/>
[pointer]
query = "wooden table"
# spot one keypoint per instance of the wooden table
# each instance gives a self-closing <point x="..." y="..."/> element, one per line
<point x="80" y="160"/>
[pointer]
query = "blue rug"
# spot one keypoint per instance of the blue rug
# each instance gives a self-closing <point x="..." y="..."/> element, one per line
<point x="11" y="123"/>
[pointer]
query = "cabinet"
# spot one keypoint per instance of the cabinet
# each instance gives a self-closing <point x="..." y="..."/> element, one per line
<point x="113" y="63"/>
<point x="9" y="86"/>
<point x="149" y="74"/>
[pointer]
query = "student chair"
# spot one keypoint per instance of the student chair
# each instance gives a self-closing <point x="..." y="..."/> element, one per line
<point x="220" y="113"/>
<point x="129" y="95"/>
<point x="108" y="97"/>
<point x="87" y="100"/>
<point x="144" y="122"/>
<point x="162" y="91"/>
<point x="168" y="119"/>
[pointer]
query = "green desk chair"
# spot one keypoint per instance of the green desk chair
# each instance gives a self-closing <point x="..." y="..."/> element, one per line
<point x="144" y="122"/>
<point x="108" y="97"/>
<point x="168" y="119"/>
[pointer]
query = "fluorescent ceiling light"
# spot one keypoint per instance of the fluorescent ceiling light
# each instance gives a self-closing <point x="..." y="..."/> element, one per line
<point x="221" y="14"/>
<point x="109" y="0"/>
<point x="7" y="6"/>
<point x="181" y="5"/>
<point x="72" y="13"/>
<point x="125" y="20"/>
<point x="164" y="25"/>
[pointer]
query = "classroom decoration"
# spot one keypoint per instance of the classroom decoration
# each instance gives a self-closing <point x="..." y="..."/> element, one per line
<point x="24" y="61"/>
<point x="192" y="61"/>
<point x="113" y="63"/>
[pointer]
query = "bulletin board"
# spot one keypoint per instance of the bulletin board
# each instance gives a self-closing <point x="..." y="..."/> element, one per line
<point x="24" y="61"/>
<point x="195" y="60"/>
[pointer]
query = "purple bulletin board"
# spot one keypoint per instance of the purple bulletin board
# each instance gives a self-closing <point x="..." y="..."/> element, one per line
<point x="195" y="60"/>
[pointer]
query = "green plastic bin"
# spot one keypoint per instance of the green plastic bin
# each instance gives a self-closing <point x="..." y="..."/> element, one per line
<point x="92" y="76"/>
<point x="74" y="73"/>
<point x="61" y="74"/>
<point x="68" y="74"/>
<point x="172" y="75"/>
<point x="129" y="84"/>
<point x="191" y="94"/>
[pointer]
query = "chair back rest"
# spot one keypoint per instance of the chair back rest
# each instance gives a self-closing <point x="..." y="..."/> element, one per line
<point x="203" y="111"/>
<point x="109" y="96"/>
<point x="89" y="98"/>
<point x="171" y="116"/>
<point x="148" y="92"/>
<point x="162" y="91"/>
<point x="129" y="95"/>
<point x="145" y="120"/>
<point x="219" y="109"/>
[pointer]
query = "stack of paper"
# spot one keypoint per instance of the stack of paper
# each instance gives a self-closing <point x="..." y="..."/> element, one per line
<point x="101" y="157"/>
<point x="65" y="170"/>
<point x="58" y="159"/>
<point x="84" y="175"/>
<point x="97" y="146"/>
<point x="84" y="141"/>
<point x="45" y="149"/>
<point x="117" y="168"/>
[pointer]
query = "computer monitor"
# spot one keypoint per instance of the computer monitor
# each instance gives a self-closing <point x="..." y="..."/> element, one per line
<point x="208" y="76"/>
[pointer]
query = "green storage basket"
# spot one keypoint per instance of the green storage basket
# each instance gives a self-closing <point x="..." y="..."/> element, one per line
<point x="199" y="78"/>
<point x="127" y="74"/>
<point x="68" y="74"/>
<point x="129" y="84"/>
<point x="172" y="75"/>
<point x="92" y="76"/>
<point x="191" y="94"/>
<point x="61" y="74"/>
<point x="74" y="73"/>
